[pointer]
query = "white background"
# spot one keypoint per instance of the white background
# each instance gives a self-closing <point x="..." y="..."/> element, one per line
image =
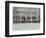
<point x="2" y="19"/>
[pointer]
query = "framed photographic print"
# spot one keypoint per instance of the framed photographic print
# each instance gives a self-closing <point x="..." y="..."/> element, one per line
<point x="24" y="18"/>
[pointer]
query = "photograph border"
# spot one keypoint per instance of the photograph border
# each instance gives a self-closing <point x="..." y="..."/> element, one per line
<point x="7" y="18"/>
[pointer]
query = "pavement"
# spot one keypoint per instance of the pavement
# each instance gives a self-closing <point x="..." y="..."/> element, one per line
<point x="26" y="26"/>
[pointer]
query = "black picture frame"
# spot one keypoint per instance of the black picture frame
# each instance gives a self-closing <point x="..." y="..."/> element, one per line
<point x="7" y="18"/>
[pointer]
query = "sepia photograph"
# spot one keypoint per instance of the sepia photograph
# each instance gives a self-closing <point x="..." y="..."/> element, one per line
<point x="29" y="18"/>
